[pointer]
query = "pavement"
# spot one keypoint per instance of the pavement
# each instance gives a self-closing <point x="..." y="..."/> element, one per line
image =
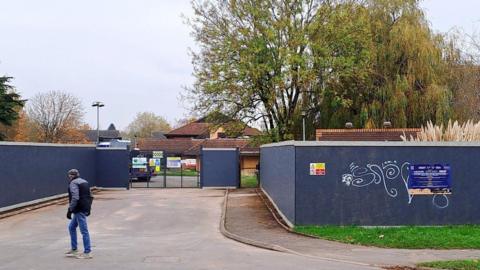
<point x="143" y="229"/>
<point x="249" y="220"/>
<point x="169" y="181"/>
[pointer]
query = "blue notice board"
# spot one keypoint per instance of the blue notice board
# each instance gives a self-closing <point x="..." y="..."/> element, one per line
<point x="436" y="178"/>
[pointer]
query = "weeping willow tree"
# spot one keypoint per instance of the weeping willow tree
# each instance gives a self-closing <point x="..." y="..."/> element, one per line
<point x="409" y="69"/>
<point x="402" y="75"/>
<point x="271" y="61"/>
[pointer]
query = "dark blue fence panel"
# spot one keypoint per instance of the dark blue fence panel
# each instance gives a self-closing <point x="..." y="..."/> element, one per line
<point x="365" y="183"/>
<point x="112" y="168"/>
<point x="31" y="172"/>
<point x="277" y="177"/>
<point x="220" y="167"/>
<point x="369" y="186"/>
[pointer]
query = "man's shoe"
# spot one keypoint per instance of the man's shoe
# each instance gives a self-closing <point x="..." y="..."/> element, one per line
<point x="84" y="256"/>
<point x="71" y="253"/>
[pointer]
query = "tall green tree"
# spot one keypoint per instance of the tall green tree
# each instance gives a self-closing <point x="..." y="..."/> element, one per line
<point x="334" y="60"/>
<point x="255" y="60"/>
<point x="10" y="103"/>
<point x="410" y="73"/>
<point x="343" y="44"/>
<point x="393" y="66"/>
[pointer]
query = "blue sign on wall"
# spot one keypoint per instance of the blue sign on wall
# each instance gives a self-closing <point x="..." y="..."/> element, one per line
<point x="428" y="179"/>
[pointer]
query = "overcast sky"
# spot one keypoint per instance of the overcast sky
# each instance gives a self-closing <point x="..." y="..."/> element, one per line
<point x="130" y="54"/>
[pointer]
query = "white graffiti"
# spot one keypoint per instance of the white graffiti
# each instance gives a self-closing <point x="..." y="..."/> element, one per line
<point x="384" y="174"/>
<point x="437" y="201"/>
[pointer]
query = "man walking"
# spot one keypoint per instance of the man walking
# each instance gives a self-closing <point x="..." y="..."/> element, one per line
<point x="80" y="204"/>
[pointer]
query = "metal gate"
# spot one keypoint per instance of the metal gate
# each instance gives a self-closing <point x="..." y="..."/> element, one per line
<point x="220" y="168"/>
<point x="169" y="171"/>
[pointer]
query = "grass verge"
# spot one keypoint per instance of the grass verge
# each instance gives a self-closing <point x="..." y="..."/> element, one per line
<point x="179" y="173"/>
<point x="413" y="237"/>
<point x="453" y="265"/>
<point x="248" y="181"/>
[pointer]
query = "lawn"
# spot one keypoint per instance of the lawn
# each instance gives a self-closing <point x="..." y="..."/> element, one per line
<point x="414" y="237"/>
<point x="249" y="181"/>
<point x="178" y="173"/>
<point x="454" y="265"/>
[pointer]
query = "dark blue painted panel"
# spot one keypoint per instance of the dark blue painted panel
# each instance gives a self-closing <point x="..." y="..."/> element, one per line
<point x="112" y="168"/>
<point x="277" y="177"/>
<point x="220" y="168"/>
<point x="364" y="186"/>
<point x="33" y="172"/>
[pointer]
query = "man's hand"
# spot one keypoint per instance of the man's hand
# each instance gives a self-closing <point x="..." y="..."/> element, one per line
<point x="69" y="214"/>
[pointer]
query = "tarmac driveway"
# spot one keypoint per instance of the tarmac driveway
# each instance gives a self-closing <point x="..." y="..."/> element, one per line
<point x="142" y="229"/>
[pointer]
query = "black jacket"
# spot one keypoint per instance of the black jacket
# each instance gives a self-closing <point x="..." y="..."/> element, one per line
<point x="79" y="196"/>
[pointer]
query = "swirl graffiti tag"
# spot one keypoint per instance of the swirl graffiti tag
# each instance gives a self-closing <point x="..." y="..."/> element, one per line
<point x="384" y="174"/>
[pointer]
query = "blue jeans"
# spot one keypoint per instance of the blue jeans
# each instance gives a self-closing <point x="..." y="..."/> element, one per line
<point x="79" y="220"/>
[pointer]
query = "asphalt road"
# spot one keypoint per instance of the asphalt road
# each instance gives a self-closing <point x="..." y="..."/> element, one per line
<point x="169" y="181"/>
<point x="142" y="229"/>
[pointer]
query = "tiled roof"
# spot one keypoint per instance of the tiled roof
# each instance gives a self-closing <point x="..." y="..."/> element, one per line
<point x="192" y="147"/>
<point x="111" y="127"/>
<point x="365" y="134"/>
<point x="170" y="146"/>
<point x="218" y="143"/>
<point x="158" y="135"/>
<point x="202" y="129"/>
<point x="249" y="131"/>
<point x="91" y="135"/>
<point x="191" y="129"/>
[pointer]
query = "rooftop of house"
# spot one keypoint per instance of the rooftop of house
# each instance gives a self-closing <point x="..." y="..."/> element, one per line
<point x="380" y="134"/>
<point x="110" y="133"/>
<point x="202" y="128"/>
<point x="192" y="147"/>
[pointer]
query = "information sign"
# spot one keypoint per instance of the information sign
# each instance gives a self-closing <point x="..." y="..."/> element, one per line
<point x="139" y="162"/>
<point x="157" y="154"/>
<point x="429" y="179"/>
<point x="317" y="169"/>
<point x="174" y="162"/>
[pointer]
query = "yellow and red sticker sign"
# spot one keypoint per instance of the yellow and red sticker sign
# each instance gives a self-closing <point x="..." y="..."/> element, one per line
<point x="317" y="169"/>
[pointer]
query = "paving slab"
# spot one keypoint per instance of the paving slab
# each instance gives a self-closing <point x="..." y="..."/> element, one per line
<point x="142" y="229"/>
<point x="247" y="216"/>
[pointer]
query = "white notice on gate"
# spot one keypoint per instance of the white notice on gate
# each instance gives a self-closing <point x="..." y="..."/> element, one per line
<point x="174" y="162"/>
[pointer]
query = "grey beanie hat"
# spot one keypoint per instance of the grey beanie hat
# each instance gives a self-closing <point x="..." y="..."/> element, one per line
<point x="74" y="172"/>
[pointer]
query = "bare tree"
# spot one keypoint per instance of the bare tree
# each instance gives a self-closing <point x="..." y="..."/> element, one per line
<point x="55" y="115"/>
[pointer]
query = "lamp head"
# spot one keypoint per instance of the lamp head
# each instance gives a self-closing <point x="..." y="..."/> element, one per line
<point x="98" y="104"/>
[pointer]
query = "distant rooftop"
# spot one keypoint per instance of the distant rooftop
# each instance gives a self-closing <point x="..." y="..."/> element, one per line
<point x="192" y="147"/>
<point x="200" y="129"/>
<point x="105" y="135"/>
<point x="111" y="127"/>
<point x="380" y="134"/>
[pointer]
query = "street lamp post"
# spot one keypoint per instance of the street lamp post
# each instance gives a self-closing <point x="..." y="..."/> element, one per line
<point x="98" y="104"/>
<point x="304" y="113"/>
